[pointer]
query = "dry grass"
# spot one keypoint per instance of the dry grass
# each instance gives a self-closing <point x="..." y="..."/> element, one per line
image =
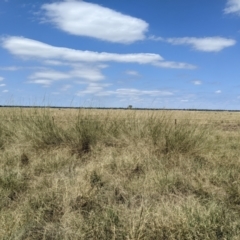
<point x="94" y="174"/>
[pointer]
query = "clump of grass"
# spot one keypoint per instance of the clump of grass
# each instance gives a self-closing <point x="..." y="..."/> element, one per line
<point x="41" y="130"/>
<point x="24" y="159"/>
<point x="7" y="133"/>
<point x="185" y="138"/>
<point x="169" y="136"/>
<point x="187" y="219"/>
<point x="85" y="134"/>
<point x="1" y="137"/>
<point x="96" y="180"/>
<point x="12" y="186"/>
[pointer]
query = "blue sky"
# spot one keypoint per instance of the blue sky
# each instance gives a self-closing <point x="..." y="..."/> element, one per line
<point x="104" y="53"/>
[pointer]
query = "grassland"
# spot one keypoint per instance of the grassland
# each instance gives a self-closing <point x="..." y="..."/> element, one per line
<point x="89" y="174"/>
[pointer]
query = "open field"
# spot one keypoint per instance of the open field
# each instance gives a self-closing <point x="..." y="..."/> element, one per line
<point x="119" y="174"/>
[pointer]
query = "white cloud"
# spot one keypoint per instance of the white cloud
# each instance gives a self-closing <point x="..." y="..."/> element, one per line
<point x="176" y="65"/>
<point x="54" y="63"/>
<point x="79" y="72"/>
<point x="50" y="75"/>
<point x="44" y="82"/>
<point x="132" y="73"/>
<point x="1" y="79"/>
<point x="5" y="91"/>
<point x="89" y="73"/>
<point x="72" y="64"/>
<point x="28" y="48"/>
<point x="154" y="38"/>
<point x="197" y="82"/>
<point x="11" y="68"/>
<point x="2" y="85"/>
<point x="98" y="89"/>
<point x="92" y="20"/>
<point x="132" y="92"/>
<point x="233" y="6"/>
<point x="93" y="88"/>
<point x="207" y="44"/>
<point x="218" y="91"/>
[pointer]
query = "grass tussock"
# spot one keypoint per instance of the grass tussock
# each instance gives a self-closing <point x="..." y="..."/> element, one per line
<point x="116" y="175"/>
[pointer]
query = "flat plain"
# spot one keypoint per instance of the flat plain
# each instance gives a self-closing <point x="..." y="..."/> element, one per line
<point x="119" y="174"/>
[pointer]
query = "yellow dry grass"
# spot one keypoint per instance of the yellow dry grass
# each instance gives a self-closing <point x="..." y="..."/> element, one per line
<point x="119" y="174"/>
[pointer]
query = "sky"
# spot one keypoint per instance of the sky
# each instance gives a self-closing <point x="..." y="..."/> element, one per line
<point x="105" y="53"/>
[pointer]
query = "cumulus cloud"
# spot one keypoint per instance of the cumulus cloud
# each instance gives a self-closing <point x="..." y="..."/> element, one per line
<point x="32" y="49"/>
<point x="47" y="77"/>
<point x="49" y="74"/>
<point x="5" y="91"/>
<point x="92" y="73"/>
<point x="1" y="78"/>
<point x="2" y="85"/>
<point x="207" y="44"/>
<point x="232" y="6"/>
<point x="218" y="91"/>
<point x="80" y="72"/>
<point x="92" y="20"/>
<point x="28" y="48"/>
